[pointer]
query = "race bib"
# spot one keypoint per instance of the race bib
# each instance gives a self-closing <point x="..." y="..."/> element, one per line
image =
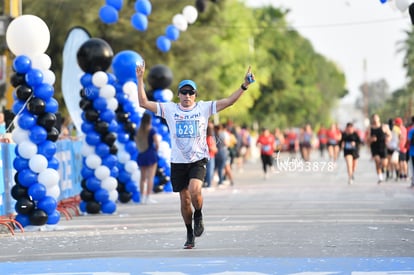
<point x="187" y="128"/>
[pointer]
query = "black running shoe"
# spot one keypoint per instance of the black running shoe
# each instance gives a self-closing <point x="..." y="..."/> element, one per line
<point x="198" y="226"/>
<point x="190" y="243"/>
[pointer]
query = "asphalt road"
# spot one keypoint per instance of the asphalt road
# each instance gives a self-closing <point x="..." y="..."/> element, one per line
<point x="302" y="219"/>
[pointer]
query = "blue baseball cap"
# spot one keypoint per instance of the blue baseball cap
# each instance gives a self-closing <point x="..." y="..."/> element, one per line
<point x="187" y="82"/>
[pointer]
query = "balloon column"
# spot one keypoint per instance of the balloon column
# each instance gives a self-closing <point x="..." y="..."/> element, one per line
<point x="179" y="24"/>
<point x="129" y="116"/>
<point x="99" y="151"/>
<point x="160" y="78"/>
<point x="36" y="188"/>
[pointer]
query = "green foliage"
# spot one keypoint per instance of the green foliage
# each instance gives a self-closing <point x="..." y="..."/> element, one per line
<point x="294" y="84"/>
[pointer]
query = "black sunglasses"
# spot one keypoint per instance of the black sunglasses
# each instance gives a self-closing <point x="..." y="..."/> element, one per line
<point x="188" y="92"/>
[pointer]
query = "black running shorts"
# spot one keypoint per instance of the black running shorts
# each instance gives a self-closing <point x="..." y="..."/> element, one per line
<point x="181" y="173"/>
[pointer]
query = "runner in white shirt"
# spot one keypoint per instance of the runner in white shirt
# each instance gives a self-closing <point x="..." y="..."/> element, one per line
<point x="187" y="122"/>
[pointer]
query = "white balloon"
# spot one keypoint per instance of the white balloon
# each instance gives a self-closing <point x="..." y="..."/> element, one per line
<point x="109" y="184"/>
<point x="93" y="161"/>
<point x="41" y="62"/>
<point x="113" y="195"/>
<point x="107" y="91"/>
<point x="102" y="172"/>
<point x="38" y="163"/>
<point x="136" y="176"/>
<point x="99" y="79"/>
<point x="167" y="94"/>
<point x="180" y="22"/>
<point x="131" y="166"/>
<point x="402" y="5"/>
<point x="123" y="156"/>
<point x="49" y="77"/>
<point x="48" y="177"/>
<point x="87" y="150"/>
<point x="27" y="149"/>
<point x="130" y="88"/>
<point x="27" y="35"/>
<point x="53" y="191"/>
<point x="190" y="13"/>
<point x="112" y="103"/>
<point x="19" y="135"/>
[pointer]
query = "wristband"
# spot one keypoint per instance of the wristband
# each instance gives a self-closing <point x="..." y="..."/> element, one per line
<point x="244" y="88"/>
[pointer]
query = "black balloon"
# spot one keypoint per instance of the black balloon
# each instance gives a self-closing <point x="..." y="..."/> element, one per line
<point x="87" y="195"/>
<point x="122" y="117"/>
<point x="130" y="127"/>
<point x="47" y="120"/>
<point x="23" y="92"/>
<point x="124" y="197"/>
<point x="109" y="139"/>
<point x="91" y="115"/>
<point x="18" y="191"/>
<point x="160" y="77"/>
<point x="36" y="106"/>
<point x="53" y="134"/>
<point x="85" y="104"/>
<point x="24" y="206"/>
<point x="92" y="207"/>
<point x="17" y="79"/>
<point x="95" y="55"/>
<point x="38" y="217"/>
<point x="200" y="5"/>
<point x="101" y="127"/>
<point x="113" y="150"/>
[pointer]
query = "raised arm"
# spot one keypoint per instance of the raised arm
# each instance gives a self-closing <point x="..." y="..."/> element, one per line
<point x="142" y="96"/>
<point x="226" y="102"/>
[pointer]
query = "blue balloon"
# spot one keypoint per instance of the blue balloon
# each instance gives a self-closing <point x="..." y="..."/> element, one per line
<point x="102" y="149"/>
<point x="53" y="218"/>
<point x="107" y="115"/>
<point x="124" y="64"/>
<point x="108" y="207"/>
<point x="123" y="137"/>
<point x="113" y="126"/>
<point x="44" y="91"/>
<point x="86" y="80"/>
<point x="93" y="184"/>
<point x="172" y="33"/>
<point x="22" y="64"/>
<point x="383" y="1"/>
<point x="92" y="138"/>
<point x="108" y="14"/>
<point x="143" y="6"/>
<point x="87" y="127"/>
<point x="168" y="187"/>
<point x="117" y="4"/>
<point x="101" y="195"/>
<point x="47" y="148"/>
<point x="109" y="161"/>
<point x="18" y="106"/>
<point x="130" y="146"/>
<point x="139" y="21"/>
<point x="82" y="206"/>
<point x="47" y="204"/>
<point x="52" y="106"/>
<point x="86" y="172"/>
<point x="37" y="191"/>
<point x="114" y="172"/>
<point x="34" y="77"/>
<point x="53" y="163"/>
<point x="24" y="220"/>
<point x="163" y="43"/>
<point x="100" y="103"/>
<point x="130" y="186"/>
<point x="27" y="177"/>
<point x="20" y="163"/>
<point x="26" y="121"/>
<point x="122" y="98"/>
<point x="91" y="92"/>
<point x="136" y="197"/>
<point x="38" y="134"/>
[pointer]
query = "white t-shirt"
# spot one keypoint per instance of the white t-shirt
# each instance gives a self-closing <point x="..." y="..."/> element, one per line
<point x="187" y="129"/>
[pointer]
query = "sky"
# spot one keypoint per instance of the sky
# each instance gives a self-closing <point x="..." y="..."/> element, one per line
<point x="351" y="33"/>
